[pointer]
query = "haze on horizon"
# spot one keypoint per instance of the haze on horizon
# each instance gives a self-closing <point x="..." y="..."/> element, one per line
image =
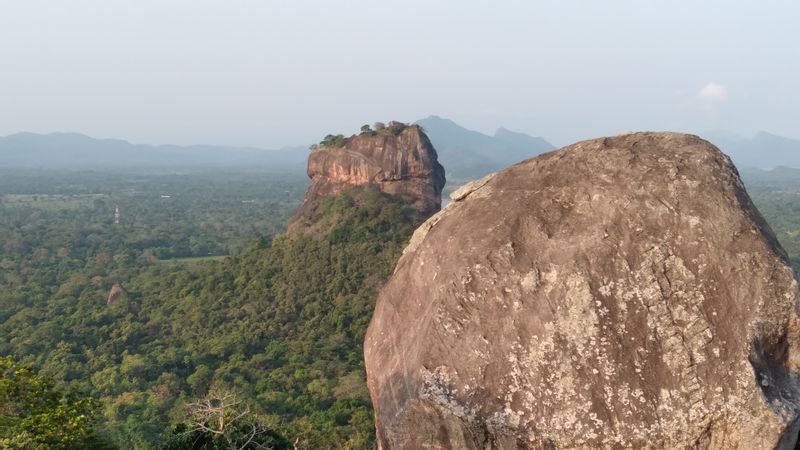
<point x="272" y="74"/>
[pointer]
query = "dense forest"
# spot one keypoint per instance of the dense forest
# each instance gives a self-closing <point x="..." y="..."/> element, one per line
<point x="214" y="305"/>
<point x="776" y="193"/>
<point x="278" y="324"/>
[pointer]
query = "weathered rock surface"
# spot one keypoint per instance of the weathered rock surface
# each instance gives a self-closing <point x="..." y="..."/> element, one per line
<point x="618" y="293"/>
<point x="405" y="165"/>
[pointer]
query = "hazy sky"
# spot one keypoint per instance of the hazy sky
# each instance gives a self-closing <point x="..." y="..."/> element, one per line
<point x="269" y="73"/>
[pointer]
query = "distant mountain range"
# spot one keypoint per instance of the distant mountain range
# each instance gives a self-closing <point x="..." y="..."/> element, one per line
<point x="72" y="150"/>
<point x="763" y="151"/>
<point x="467" y="154"/>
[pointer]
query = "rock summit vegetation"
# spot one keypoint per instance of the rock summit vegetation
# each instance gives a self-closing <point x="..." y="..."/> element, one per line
<point x="393" y="128"/>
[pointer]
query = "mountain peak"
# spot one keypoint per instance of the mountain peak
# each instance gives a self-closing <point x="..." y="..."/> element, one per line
<point x="469" y="154"/>
<point x="437" y="122"/>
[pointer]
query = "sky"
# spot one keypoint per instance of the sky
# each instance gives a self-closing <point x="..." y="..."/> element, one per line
<point x="279" y="73"/>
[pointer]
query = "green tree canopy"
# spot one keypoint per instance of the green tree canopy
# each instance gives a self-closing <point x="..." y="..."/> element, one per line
<point x="34" y="414"/>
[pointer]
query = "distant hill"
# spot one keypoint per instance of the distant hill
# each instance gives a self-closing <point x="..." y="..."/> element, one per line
<point x="75" y="151"/>
<point x="763" y="151"/>
<point x="467" y="154"/>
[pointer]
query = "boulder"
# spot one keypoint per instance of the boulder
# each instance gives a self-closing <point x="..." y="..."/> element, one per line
<point x="621" y="292"/>
<point x="116" y="291"/>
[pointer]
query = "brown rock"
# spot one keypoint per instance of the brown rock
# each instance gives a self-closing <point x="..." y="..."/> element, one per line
<point x="405" y="165"/>
<point x="618" y="293"/>
<point x="115" y="292"/>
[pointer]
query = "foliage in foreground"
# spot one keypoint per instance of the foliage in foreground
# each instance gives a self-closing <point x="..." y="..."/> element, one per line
<point x="36" y="415"/>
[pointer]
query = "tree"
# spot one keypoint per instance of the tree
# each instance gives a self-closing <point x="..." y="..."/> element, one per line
<point x="366" y="129"/>
<point x="220" y="421"/>
<point x="394" y="127"/>
<point x="331" y="140"/>
<point x="378" y="126"/>
<point x="36" y="415"/>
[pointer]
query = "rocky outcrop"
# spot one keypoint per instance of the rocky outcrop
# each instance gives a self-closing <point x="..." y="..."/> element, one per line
<point x="115" y="293"/>
<point x="404" y="164"/>
<point x="618" y="293"/>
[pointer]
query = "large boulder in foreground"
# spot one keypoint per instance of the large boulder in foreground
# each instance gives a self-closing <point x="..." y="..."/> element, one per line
<point x="618" y="293"/>
<point x="399" y="161"/>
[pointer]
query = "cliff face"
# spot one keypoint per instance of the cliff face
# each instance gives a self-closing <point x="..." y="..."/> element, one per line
<point x="404" y="165"/>
<point x="618" y="293"/>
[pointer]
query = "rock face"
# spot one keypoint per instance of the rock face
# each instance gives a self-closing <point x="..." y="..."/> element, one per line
<point x="405" y="165"/>
<point x="618" y="293"/>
